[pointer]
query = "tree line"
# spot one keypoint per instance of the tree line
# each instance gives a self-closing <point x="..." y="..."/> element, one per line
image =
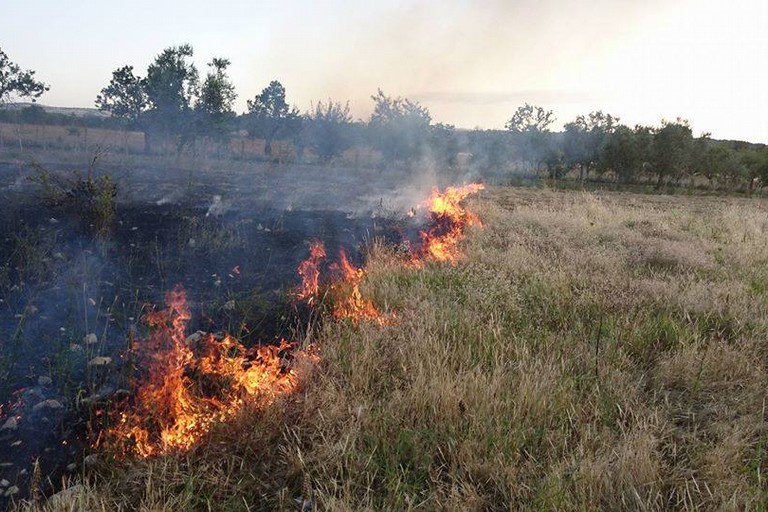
<point x="174" y="106"/>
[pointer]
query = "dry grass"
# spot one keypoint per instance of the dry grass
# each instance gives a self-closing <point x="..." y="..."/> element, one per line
<point x="590" y="352"/>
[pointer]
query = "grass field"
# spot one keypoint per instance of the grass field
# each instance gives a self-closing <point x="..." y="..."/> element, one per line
<point x="590" y="351"/>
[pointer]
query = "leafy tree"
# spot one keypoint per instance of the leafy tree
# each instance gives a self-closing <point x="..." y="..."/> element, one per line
<point x="217" y="95"/>
<point x="15" y="81"/>
<point x="399" y="127"/>
<point x="529" y="126"/>
<point x="734" y="169"/>
<point x="584" y="138"/>
<point x="529" y="118"/>
<point x="622" y="153"/>
<point x="644" y="146"/>
<point x="327" y="129"/>
<point x="171" y="86"/>
<point x="671" y="150"/>
<point x="706" y="159"/>
<point x="575" y="152"/>
<point x="755" y="163"/>
<point x="270" y="116"/>
<point x="125" y="97"/>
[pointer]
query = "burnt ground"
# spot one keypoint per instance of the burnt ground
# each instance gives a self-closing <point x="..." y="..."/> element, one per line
<point x="232" y="239"/>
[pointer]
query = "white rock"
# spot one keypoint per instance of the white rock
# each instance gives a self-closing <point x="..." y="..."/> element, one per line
<point x="66" y="499"/>
<point x="12" y="490"/>
<point x="10" y="424"/>
<point x="216" y="208"/>
<point x="4" y="483"/>
<point x="229" y="305"/>
<point x="44" y="380"/>
<point x="195" y="337"/>
<point x="100" y="361"/>
<point x="91" y="460"/>
<point x="90" y="339"/>
<point x="47" y="404"/>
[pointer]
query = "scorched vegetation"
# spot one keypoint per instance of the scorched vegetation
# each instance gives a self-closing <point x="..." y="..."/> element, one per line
<point x="584" y="351"/>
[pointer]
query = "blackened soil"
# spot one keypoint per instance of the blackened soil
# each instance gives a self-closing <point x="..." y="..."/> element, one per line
<point x="69" y="293"/>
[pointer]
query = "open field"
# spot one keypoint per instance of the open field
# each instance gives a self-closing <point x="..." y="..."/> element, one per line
<point x="591" y="351"/>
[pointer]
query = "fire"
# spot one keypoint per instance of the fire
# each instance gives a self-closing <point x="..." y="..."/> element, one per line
<point x="189" y="387"/>
<point x="349" y="302"/>
<point x="309" y="270"/>
<point x="447" y="221"/>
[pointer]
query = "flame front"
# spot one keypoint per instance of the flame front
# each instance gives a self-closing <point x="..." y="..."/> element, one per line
<point x="348" y="301"/>
<point x="447" y="221"/>
<point x="187" y="389"/>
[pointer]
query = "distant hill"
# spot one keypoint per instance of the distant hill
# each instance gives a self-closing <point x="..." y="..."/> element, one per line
<point x="66" y="111"/>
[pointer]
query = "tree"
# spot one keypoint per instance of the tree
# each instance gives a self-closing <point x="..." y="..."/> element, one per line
<point x="217" y="95"/>
<point x="529" y="126"/>
<point x="399" y="127"/>
<point x="17" y="82"/>
<point x="756" y="164"/>
<point x="706" y="159"/>
<point x="125" y="97"/>
<point x="327" y="129"/>
<point x="530" y="118"/>
<point x="622" y="153"/>
<point x="671" y="150"/>
<point x="584" y="138"/>
<point x="270" y="116"/>
<point x="171" y="86"/>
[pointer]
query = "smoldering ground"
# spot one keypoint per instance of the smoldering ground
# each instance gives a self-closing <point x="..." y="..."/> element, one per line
<point x="73" y="296"/>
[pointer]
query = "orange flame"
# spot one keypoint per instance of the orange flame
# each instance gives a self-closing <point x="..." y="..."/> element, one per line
<point x="309" y="270"/>
<point x="447" y="222"/>
<point x="188" y="388"/>
<point x="349" y="302"/>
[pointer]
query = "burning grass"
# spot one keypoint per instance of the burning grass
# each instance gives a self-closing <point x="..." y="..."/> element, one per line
<point x="551" y="368"/>
<point x="183" y="388"/>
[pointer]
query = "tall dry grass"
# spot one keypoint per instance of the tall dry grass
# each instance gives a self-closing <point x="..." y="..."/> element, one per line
<point x="590" y="352"/>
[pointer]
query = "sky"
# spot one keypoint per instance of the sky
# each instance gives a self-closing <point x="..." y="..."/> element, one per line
<point x="471" y="63"/>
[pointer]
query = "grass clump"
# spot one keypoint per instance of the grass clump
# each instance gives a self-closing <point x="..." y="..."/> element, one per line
<point x="89" y="198"/>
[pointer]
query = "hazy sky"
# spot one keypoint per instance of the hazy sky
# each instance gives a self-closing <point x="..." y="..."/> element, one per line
<point x="470" y="62"/>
